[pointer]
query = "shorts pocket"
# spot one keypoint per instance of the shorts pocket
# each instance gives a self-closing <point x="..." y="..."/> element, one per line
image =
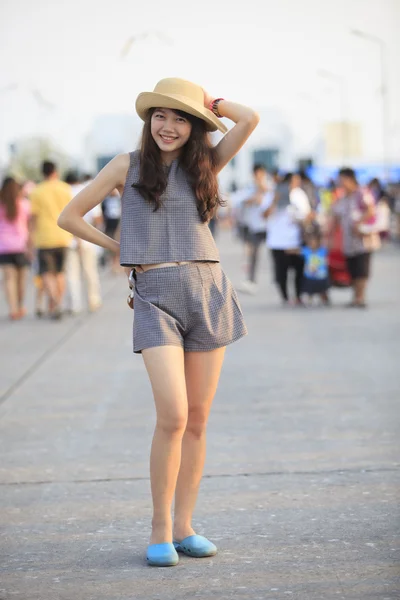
<point x="148" y="290"/>
<point x="220" y="281"/>
<point x="225" y="288"/>
<point x="236" y="299"/>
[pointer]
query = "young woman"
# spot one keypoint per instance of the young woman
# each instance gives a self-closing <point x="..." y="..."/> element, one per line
<point x="288" y="210"/>
<point x="14" y="245"/>
<point x="186" y="310"/>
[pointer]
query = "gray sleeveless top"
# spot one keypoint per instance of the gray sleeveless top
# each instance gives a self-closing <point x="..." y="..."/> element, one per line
<point x="173" y="233"/>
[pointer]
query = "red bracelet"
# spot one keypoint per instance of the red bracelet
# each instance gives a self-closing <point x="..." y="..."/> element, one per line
<point x="214" y="107"/>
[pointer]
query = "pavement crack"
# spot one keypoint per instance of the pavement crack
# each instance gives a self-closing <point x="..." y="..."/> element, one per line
<point x="358" y="471"/>
<point x="41" y="360"/>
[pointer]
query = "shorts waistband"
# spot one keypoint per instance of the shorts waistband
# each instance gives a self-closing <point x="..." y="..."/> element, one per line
<point x="160" y="266"/>
<point x="144" y="268"/>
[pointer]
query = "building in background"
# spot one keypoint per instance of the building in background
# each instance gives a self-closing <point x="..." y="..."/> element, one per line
<point x="343" y="143"/>
<point x="109" y="135"/>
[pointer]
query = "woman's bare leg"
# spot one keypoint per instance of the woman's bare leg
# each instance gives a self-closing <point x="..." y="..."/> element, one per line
<point x="202" y="371"/>
<point x="165" y="367"/>
<point x="21" y="287"/>
<point x="10" y="288"/>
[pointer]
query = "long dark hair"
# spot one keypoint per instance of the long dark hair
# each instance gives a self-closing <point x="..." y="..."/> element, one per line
<point x="9" y="193"/>
<point x="198" y="159"/>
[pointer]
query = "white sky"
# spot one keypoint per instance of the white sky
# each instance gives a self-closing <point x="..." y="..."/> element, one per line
<point x="260" y="52"/>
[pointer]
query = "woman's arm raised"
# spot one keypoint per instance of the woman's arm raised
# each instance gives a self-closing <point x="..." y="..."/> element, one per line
<point x="246" y="120"/>
<point x="112" y="176"/>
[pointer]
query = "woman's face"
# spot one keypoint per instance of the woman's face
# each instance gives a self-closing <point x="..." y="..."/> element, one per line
<point x="170" y="131"/>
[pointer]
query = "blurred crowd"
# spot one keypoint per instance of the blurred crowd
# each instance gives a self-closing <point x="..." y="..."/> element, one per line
<point x="324" y="235"/>
<point x="65" y="269"/>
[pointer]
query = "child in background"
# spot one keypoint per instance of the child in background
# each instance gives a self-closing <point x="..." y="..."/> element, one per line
<point x="315" y="277"/>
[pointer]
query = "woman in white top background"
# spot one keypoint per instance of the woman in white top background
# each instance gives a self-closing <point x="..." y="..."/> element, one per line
<point x="288" y="209"/>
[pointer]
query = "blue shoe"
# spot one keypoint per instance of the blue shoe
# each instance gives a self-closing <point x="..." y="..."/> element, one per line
<point x="162" y="555"/>
<point x="196" y="546"/>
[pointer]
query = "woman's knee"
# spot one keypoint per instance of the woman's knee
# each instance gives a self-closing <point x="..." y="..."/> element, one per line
<point x="173" y="423"/>
<point x="10" y="272"/>
<point x="197" y="422"/>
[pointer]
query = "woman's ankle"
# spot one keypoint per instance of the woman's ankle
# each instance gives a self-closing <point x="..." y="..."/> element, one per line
<point x="182" y="530"/>
<point x="161" y="531"/>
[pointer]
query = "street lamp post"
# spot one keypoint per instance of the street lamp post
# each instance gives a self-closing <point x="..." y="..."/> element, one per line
<point x="383" y="90"/>
<point x="342" y="93"/>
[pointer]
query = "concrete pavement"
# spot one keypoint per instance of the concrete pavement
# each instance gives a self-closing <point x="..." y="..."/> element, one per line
<point x="301" y="486"/>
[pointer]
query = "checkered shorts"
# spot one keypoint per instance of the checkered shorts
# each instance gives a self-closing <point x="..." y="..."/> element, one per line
<point x="193" y="306"/>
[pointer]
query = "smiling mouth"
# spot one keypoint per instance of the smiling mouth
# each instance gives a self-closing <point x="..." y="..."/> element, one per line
<point x="167" y="138"/>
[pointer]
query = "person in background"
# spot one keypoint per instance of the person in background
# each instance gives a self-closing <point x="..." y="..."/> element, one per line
<point x="258" y="195"/>
<point x="48" y="199"/>
<point x="309" y="188"/>
<point x="83" y="257"/>
<point x="286" y="213"/>
<point x="328" y="195"/>
<point x="300" y="205"/>
<point x="15" y="245"/>
<point x="241" y="215"/>
<point x="384" y="206"/>
<point x="355" y="208"/>
<point x="40" y="295"/>
<point x="241" y="221"/>
<point x="377" y="190"/>
<point x="315" y="275"/>
<point x="276" y="176"/>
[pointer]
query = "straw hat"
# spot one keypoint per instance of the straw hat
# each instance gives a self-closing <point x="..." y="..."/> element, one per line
<point x="181" y="95"/>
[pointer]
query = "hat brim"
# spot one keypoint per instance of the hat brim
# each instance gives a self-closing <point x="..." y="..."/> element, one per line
<point x="147" y="100"/>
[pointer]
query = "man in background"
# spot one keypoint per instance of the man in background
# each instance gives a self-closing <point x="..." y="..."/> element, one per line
<point x="352" y="211"/>
<point x="51" y="242"/>
<point x="83" y="256"/>
<point x="254" y="200"/>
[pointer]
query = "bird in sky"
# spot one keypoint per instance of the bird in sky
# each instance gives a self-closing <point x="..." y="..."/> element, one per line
<point x="134" y="39"/>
